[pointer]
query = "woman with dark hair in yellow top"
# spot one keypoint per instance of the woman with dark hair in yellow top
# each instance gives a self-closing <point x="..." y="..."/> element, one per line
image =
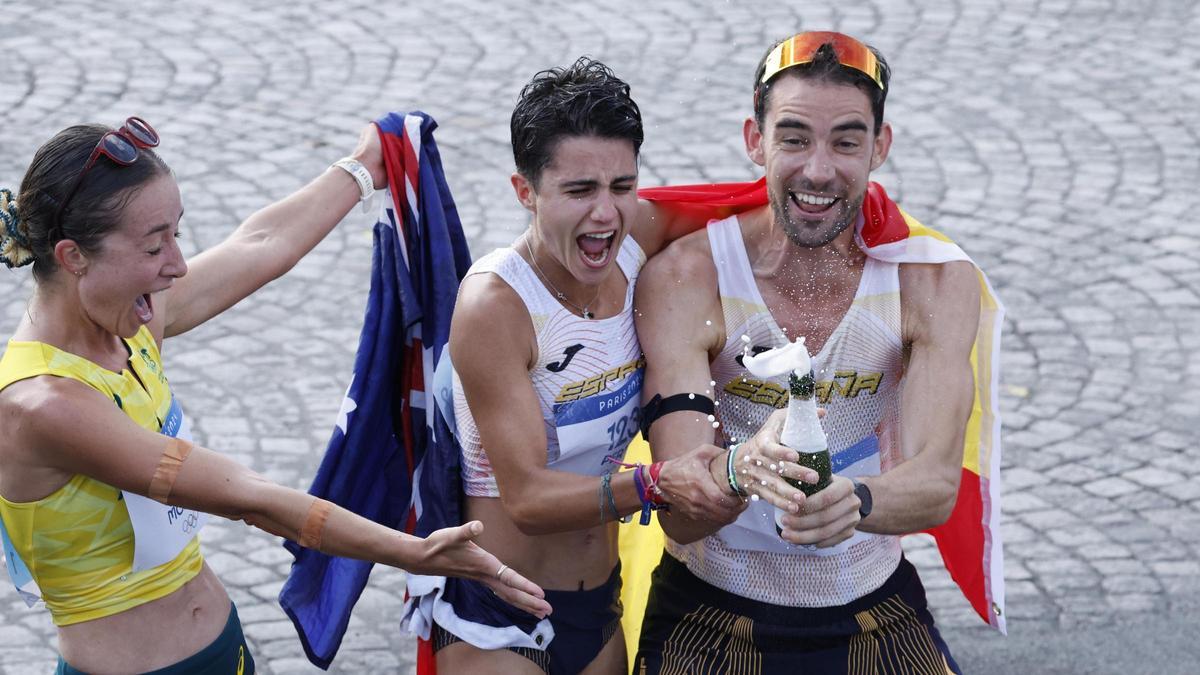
<point x="101" y="490"/>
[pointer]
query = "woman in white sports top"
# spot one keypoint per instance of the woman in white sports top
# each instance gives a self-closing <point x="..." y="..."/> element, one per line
<point x="547" y="388"/>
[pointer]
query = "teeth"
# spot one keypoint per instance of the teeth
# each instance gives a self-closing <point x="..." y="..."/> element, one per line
<point x="600" y="235"/>
<point x="601" y="260"/>
<point x="813" y="199"/>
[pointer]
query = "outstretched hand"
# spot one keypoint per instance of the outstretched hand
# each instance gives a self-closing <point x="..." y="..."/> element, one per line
<point x="369" y="151"/>
<point x="451" y="552"/>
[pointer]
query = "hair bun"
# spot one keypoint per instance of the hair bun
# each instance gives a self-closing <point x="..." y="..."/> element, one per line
<point x="14" y="244"/>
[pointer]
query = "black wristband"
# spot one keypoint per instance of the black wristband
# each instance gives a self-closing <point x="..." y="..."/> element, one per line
<point x="659" y="406"/>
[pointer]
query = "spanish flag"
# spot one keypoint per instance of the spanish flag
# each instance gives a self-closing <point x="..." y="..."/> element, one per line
<point x="969" y="541"/>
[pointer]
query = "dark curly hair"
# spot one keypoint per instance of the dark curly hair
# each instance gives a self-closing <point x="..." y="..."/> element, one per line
<point x="583" y="99"/>
<point x="826" y="68"/>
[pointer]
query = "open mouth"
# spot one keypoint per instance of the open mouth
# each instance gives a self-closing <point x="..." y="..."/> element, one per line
<point x="144" y="308"/>
<point x="596" y="247"/>
<point x="813" y="204"/>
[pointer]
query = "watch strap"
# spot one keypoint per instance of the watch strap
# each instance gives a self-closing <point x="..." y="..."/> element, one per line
<point x="866" y="501"/>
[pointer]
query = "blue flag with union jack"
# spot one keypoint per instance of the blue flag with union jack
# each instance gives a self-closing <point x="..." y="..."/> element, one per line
<point x="390" y="434"/>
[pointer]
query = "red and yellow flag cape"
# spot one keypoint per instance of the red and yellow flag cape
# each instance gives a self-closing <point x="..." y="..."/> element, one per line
<point x="970" y="540"/>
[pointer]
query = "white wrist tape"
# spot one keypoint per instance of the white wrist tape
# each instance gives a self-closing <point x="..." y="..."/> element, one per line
<point x="366" y="185"/>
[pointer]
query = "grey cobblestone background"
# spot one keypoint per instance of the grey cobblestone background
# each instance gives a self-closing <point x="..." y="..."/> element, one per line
<point x="1056" y="140"/>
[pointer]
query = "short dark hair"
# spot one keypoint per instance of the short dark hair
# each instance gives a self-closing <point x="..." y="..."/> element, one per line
<point x="95" y="208"/>
<point x="583" y="99"/>
<point x="825" y="67"/>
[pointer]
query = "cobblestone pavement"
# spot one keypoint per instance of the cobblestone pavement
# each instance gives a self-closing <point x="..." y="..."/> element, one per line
<point x="1055" y="139"/>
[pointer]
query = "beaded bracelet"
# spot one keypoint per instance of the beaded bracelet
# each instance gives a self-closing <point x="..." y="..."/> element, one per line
<point x="731" y="474"/>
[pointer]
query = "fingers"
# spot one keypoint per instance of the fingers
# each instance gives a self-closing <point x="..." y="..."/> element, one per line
<point x="784" y="459"/>
<point x="520" y="592"/>
<point x="766" y="481"/>
<point x="827" y="518"/>
<point x="369" y="151"/>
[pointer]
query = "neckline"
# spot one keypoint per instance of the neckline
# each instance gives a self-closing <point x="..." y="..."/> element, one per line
<point x="748" y="270"/>
<point x="126" y="342"/>
<point x="626" y="304"/>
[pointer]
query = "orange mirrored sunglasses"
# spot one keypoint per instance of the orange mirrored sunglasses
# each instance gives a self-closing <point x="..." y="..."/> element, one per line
<point x="802" y="48"/>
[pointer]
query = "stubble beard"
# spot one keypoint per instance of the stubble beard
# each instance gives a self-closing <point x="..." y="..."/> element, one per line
<point x="806" y="236"/>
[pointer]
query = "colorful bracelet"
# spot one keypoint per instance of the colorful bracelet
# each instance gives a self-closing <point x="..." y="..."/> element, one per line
<point x="656" y="494"/>
<point x="731" y="474"/>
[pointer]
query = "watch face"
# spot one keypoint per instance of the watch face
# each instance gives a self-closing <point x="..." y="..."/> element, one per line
<point x="864" y="496"/>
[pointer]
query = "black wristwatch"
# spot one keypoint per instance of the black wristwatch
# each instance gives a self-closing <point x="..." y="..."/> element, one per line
<point x="864" y="496"/>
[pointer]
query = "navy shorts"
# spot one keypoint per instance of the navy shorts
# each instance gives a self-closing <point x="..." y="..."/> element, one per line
<point x="583" y="621"/>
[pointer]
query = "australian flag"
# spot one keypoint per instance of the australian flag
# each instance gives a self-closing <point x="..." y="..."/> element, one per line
<point x="391" y="433"/>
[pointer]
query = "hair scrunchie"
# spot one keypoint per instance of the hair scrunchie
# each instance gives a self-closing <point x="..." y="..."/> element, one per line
<point x="14" y="244"/>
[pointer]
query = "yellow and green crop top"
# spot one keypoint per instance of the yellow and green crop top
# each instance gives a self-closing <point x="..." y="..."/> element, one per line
<point x="78" y="543"/>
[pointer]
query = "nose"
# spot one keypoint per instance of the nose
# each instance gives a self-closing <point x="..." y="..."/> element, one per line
<point x="818" y="168"/>
<point x="176" y="265"/>
<point x="605" y="209"/>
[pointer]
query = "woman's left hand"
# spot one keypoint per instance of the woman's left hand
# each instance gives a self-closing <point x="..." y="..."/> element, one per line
<point x="451" y="552"/>
<point x="369" y="151"/>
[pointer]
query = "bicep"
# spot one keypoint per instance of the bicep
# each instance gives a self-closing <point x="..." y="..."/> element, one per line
<point x="677" y="325"/>
<point x="939" y="383"/>
<point x="82" y="432"/>
<point x="495" y="380"/>
<point x="217" y="279"/>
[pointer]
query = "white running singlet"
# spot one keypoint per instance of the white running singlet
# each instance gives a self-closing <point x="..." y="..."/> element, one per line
<point x="858" y="374"/>
<point x="587" y="375"/>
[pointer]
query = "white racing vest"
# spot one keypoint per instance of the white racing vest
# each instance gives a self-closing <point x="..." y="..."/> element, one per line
<point x="858" y="374"/>
<point x="587" y="376"/>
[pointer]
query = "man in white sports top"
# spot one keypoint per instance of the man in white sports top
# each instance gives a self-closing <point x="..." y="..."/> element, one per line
<point x="891" y="346"/>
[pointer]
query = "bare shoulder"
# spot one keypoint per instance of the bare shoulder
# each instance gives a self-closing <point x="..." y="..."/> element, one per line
<point x="677" y="302"/>
<point x="34" y="413"/>
<point x="685" y="264"/>
<point x="490" y="320"/>
<point x="939" y="297"/>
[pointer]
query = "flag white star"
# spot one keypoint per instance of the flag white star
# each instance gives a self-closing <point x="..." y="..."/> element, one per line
<point x="348" y="406"/>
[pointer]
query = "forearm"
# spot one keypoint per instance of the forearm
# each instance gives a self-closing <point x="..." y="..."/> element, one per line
<point x="551" y="501"/>
<point x="290" y="514"/>
<point x="282" y="233"/>
<point x="910" y="498"/>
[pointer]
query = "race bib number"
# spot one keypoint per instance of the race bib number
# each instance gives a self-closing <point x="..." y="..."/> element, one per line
<point x="160" y="531"/>
<point x="592" y="429"/>
<point x="17" y="571"/>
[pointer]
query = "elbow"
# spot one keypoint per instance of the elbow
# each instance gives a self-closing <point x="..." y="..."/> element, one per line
<point x="248" y="505"/>
<point x="269" y="254"/>
<point x="947" y="497"/>
<point x="678" y="533"/>
<point x="526" y="515"/>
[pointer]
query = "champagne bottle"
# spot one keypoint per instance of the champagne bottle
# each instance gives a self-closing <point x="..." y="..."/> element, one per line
<point x="802" y="430"/>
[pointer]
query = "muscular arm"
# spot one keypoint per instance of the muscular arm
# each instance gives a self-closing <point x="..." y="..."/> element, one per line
<point x="268" y="244"/>
<point x="492" y="347"/>
<point x="679" y="324"/>
<point x="941" y="317"/>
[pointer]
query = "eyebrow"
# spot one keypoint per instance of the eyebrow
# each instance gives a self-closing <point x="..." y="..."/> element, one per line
<point x="853" y="125"/>
<point x="159" y="228"/>
<point x="588" y="182"/>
